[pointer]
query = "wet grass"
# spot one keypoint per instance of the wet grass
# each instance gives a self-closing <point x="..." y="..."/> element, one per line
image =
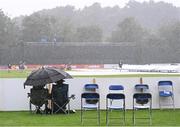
<point x="159" y="118"/>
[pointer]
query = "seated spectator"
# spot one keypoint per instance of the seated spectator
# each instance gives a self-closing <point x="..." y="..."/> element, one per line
<point x="60" y="96"/>
<point x="39" y="96"/>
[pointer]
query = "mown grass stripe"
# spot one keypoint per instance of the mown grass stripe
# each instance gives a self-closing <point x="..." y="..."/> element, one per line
<point x="25" y="73"/>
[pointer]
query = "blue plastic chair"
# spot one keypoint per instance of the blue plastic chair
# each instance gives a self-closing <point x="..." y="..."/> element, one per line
<point x="115" y="100"/>
<point x="165" y="89"/>
<point x="146" y="106"/>
<point x="90" y="106"/>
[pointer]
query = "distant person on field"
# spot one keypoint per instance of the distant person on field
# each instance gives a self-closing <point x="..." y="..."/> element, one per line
<point x="9" y="67"/>
<point x="120" y="64"/>
<point x="21" y="65"/>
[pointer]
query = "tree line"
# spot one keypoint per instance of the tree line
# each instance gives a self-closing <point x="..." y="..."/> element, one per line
<point x="153" y="26"/>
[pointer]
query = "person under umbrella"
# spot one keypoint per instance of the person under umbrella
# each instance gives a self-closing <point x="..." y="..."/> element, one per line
<point x="38" y="97"/>
<point x="39" y="78"/>
<point x="60" y="96"/>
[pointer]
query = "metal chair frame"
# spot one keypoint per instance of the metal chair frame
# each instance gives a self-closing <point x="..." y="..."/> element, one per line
<point x="61" y="107"/>
<point x="166" y="90"/>
<point x="85" y="106"/>
<point x="116" y="93"/>
<point x="110" y="106"/>
<point x="145" y="106"/>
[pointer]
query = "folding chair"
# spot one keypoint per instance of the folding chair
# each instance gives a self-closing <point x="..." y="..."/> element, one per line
<point x="38" y="97"/>
<point x="110" y="98"/>
<point x="60" y="99"/>
<point x="140" y="103"/>
<point x="166" y="94"/>
<point x="85" y="105"/>
<point x="115" y="100"/>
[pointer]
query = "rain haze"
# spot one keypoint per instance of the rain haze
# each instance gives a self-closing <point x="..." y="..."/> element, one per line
<point x="25" y="7"/>
<point x="89" y="31"/>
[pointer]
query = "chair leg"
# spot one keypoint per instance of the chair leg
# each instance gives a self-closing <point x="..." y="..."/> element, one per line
<point x="68" y="108"/>
<point x="107" y="117"/>
<point x="98" y="111"/>
<point x="52" y="107"/>
<point x="173" y="102"/>
<point x="160" y="102"/>
<point x="81" y="116"/>
<point x="124" y="116"/>
<point x="150" y="117"/>
<point x="133" y="116"/>
<point x="30" y="107"/>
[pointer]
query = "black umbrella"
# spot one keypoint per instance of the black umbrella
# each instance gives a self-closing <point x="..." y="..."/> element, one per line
<point x="45" y="75"/>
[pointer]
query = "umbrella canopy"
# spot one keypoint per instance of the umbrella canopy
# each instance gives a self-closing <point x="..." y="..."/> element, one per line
<point x="45" y="75"/>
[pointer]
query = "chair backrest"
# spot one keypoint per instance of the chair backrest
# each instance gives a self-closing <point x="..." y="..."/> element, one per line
<point x="116" y="88"/>
<point x="91" y="87"/>
<point x="165" y="85"/>
<point x="38" y="97"/>
<point x="60" y="93"/>
<point x="142" y="98"/>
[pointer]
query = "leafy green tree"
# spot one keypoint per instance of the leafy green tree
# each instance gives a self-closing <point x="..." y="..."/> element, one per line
<point x="40" y="27"/>
<point x="171" y="33"/>
<point x="128" y="31"/>
<point x="36" y="28"/>
<point x="8" y="31"/>
<point x="89" y="34"/>
<point x="63" y="30"/>
<point x="170" y="37"/>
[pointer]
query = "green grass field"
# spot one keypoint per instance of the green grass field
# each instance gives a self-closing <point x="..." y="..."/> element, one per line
<point x="25" y="73"/>
<point x="159" y="118"/>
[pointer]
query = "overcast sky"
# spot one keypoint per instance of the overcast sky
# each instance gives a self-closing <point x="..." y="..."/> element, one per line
<point x="15" y="8"/>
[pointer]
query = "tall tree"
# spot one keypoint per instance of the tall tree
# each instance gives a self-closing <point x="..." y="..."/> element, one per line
<point x="89" y="34"/>
<point x="36" y="28"/>
<point x="8" y="30"/>
<point x="170" y="37"/>
<point x="128" y="31"/>
<point x="63" y="30"/>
